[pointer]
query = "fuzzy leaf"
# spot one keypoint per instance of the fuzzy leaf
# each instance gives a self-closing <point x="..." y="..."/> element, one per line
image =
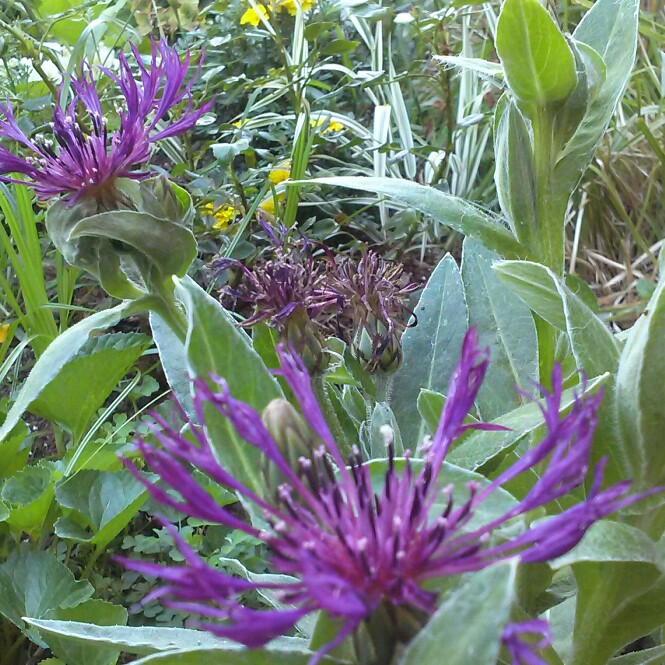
<point x="468" y="625"/>
<point x="593" y="345"/>
<point x="451" y="211"/>
<point x="610" y="29"/>
<point x="538" y="63"/>
<point x="506" y="326"/>
<point x="431" y="347"/>
<point x="215" y="345"/>
<point x="639" y="394"/>
<point x="71" y="651"/>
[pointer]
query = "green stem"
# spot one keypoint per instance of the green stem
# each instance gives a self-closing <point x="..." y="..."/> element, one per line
<point x="91" y="562"/>
<point x="162" y="302"/>
<point x="319" y="388"/>
<point x="13" y="650"/>
<point x="550" y="220"/>
<point x="549" y="215"/>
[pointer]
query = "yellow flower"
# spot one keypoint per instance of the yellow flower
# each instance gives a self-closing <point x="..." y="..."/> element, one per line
<point x="4" y="331"/>
<point x="253" y="17"/>
<point x="268" y="205"/>
<point x="332" y="126"/>
<point x="239" y="123"/>
<point x="280" y="173"/>
<point x="291" y="6"/>
<point x="223" y="216"/>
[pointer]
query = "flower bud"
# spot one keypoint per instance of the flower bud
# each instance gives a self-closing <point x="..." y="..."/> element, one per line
<point x="291" y="434"/>
<point x="300" y="334"/>
<point x="377" y="347"/>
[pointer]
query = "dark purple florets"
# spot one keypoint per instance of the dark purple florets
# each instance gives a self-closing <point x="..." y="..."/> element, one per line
<point x="353" y="546"/>
<point x="86" y="158"/>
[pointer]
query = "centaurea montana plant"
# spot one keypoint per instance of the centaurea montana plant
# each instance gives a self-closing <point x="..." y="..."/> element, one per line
<point x="355" y="551"/>
<point x="87" y="158"/>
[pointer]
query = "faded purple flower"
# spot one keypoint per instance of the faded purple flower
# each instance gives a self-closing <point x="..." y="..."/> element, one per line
<point x="521" y="650"/>
<point x="289" y="293"/>
<point x="355" y="550"/>
<point x="87" y="158"/>
<point x="375" y="293"/>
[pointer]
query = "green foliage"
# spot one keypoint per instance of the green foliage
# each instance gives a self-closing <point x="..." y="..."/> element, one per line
<point x="33" y="584"/>
<point x="431" y="347"/>
<point x="505" y="325"/>
<point x="538" y="63"/>
<point x="103" y="503"/>
<point x="103" y="360"/>
<point x="216" y="346"/>
<point x="347" y="95"/>
<point x="62" y="351"/>
<point x="469" y="622"/>
<point x="639" y="409"/>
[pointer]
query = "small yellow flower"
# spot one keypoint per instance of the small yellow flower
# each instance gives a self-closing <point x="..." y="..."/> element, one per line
<point x="223" y="215"/>
<point x="253" y="17"/>
<point x="291" y="6"/>
<point x="239" y="123"/>
<point x="280" y="173"/>
<point x="332" y="126"/>
<point x="268" y="205"/>
<point x="4" y="331"/>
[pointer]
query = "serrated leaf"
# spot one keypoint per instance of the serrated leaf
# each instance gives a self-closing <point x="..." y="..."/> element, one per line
<point x="81" y="387"/>
<point x="57" y="355"/>
<point x="538" y="64"/>
<point x="451" y="211"/>
<point x="654" y="656"/>
<point x="506" y="326"/>
<point x="105" y="500"/>
<point x="468" y="625"/>
<point x="15" y="450"/>
<point x="32" y="583"/>
<point x="28" y="495"/>
<point x="431" y="348"/>
<point x="234" y="655"/>
<point x="147" y="640"/>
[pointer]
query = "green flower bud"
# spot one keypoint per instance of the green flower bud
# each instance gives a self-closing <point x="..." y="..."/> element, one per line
<point x="293" y="438"/>
<point x="299" y="332"/>
<point x="377" y="347"/>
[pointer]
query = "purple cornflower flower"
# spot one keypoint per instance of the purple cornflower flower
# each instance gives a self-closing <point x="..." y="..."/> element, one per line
<point x="88" y="159"/>
<point x="523" y="652"/>
<point x="374" y="292"/>
<point x="354" y="550"/>
<point x="289" y="293"/>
